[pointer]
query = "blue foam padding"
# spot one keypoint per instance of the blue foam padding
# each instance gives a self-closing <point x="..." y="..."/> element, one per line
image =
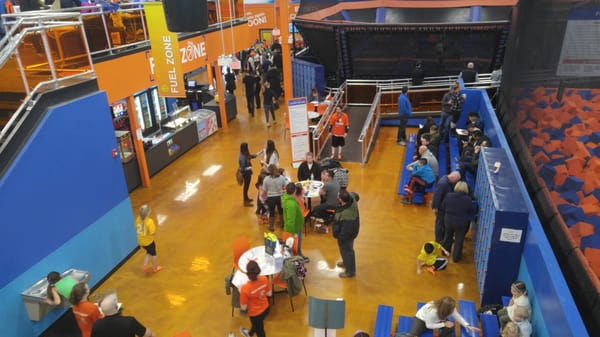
<point x="570" y="196"/>
<point x="585" y="94"/>
<point x="596" y="193"/>
<point x="542" y="104"/>
<point x="570" y="212"/>
<point x="489" y="325"/>
<point x="571" y="221"/>
<point x="584" y="138"/>
<point x="593" y="220"/>
<point x="408" y="158"/>
<point x="572" y="183"/>
<point x="547" y="172"/>
<point x="536" y="149"/>
<point x="383" y="322"/>
<point x="587" y="108"/>
<point x="557" y="161"/>
<point x="595" y="137"/>
<point x="556" y="134"/>
<point x="442" y="160"/>
<point x="468" y="310"/>
<point x="557" y="105"/>
<point x="454" y="153"/>
<point x="595" y="151"/>
<point x="404" y="324"/>
<point x="575" y="120"/>
<point x="590" y="241"/>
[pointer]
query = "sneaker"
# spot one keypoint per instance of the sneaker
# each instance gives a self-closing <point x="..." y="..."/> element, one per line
<point x="244" y="332"/>
<point x="431" y="270"/>
<point x="248" y="204"/>
<point x="406" y="201"/>
<point x="332" y="156"/>
<point x="306" y="259"/>
<point x="268" y="125"/>
<point x="402" y="143"/>
<point x="157" y="269"/>
<point x="146" y="269"/>
<point x="340" y="156"/>
<point x="340" y="264"/>
<point x="319" y="220"/>
<point x="346" y="275"/>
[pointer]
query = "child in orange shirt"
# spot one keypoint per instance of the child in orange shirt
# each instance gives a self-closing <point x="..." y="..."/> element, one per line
<point x="254" y="298"/>
<point x="338" y="126"/>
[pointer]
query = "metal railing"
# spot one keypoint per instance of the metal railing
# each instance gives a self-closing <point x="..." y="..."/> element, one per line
<point x="321" y="131"/>
<point x="50" y="67"/>
<point x="368" y="134"/>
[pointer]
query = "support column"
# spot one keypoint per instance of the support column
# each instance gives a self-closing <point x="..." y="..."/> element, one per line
<point x="138" y="144"/>
<point x="221" y="92"/>
<point x="285" y="51"/>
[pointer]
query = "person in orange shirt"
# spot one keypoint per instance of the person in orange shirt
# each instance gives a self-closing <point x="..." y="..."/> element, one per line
<point x="85" y="312"/>
<point x="338" y="126"/>
<point x="254" y="298"/>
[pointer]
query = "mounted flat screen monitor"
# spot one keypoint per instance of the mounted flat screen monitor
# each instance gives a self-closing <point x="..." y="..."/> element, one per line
<point x="191" y="84"/>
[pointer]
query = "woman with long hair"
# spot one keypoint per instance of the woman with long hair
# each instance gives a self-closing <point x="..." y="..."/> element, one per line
<point x="435" y="314"/>
<point x="273" y="186"/>
<point x="245" y="167"/>
<point x="146" y="228"/>
<point x="85" y="312"/>
<point x="271" y="156"/>
<point x="519" y="298"/>
<point x="254" y="298"/>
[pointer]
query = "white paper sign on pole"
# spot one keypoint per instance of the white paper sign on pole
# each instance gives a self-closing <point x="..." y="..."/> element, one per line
<point x="298" y="129"/>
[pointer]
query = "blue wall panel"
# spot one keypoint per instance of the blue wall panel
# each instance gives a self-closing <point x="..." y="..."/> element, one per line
<point x="553" y="307"/>
<point x="64" y="204"/>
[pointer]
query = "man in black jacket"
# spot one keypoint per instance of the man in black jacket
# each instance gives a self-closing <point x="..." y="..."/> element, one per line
<point x="345" y="229"/>
<point x="444" y="186"/>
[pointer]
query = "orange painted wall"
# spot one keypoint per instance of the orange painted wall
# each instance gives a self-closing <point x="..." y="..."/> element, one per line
<point x="122" y="77"/>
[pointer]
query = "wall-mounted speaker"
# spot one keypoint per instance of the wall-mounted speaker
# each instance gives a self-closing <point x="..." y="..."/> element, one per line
<point x="186" y="15"/>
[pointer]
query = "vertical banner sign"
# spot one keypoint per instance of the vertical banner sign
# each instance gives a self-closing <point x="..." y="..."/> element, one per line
<point x="165" y="51"/>
<point x="298" y="129"/>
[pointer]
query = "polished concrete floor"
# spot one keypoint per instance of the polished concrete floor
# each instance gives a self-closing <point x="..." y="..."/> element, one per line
<point x="199" y="209"/>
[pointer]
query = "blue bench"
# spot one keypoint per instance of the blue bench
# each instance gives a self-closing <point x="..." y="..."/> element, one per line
<point x="489" y="325"/>
<point x="408" y="158"/>
<point x="383" y="322"/>
<point x="404" y="324"/>
<point x="429" y="332"/>
<point x="468" y="310"/>
<point x="442" y="159"/>
<point x="506" y="300"/>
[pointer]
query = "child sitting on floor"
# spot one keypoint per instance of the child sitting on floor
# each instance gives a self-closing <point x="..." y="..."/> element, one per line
<point x="428" y="258"/>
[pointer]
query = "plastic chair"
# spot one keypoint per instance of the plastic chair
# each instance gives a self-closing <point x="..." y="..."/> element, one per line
<point x="287" y="235"/>
<point x="238" y="248"/>
<point x="278" y="282"/>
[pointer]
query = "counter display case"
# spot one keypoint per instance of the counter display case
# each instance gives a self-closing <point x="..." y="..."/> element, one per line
<point x="230" y="108"/>
<point x="125" y="145"/>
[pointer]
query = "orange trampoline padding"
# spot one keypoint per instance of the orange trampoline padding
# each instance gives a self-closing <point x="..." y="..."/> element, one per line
<point x="593" y="257"/>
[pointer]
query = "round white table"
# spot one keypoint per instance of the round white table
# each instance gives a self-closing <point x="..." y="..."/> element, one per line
<point x="313" y="115"/>
<point x="265" y="261"/>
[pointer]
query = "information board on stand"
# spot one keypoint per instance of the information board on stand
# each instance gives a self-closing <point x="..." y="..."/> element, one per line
<point x="298" y="129"/>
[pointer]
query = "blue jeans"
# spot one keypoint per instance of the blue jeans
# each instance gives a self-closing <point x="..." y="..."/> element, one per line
<point x="269" y="107"/>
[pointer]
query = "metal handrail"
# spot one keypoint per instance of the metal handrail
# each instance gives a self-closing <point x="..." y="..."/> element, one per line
<point x="369" y="128"/>
<point x="370" y="115"/>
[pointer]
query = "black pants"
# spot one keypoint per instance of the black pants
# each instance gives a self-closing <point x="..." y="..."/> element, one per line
<point x="250" y="104"/>
<point x="258" y="324"/>
<point x="257" y="97"/>
<point x="418" y="327"/>
<point x="455" y="234"/>
<point x="247" y="178"/>
<point x="402" y="129"/>
<point x="272" y="203"/>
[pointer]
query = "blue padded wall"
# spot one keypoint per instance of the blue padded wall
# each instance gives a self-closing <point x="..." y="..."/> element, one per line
<point x="554" y="311"/>
<point x="64" y="204"/>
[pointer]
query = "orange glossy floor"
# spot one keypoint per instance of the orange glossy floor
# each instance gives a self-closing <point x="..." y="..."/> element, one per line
<point x="199" y="210"/>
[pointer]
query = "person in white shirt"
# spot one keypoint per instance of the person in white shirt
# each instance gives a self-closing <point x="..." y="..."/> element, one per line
<point x="271" y="156"/>
<point x="435" y="314"/>
<point x="521" y="319"/>
<point x="519" y="299"/>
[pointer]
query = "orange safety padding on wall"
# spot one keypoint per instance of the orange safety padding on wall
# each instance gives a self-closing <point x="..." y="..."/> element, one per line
<point x="593" y="256"/>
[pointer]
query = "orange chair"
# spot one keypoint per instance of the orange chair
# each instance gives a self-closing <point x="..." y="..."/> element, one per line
<point x="278" y="282"/>
<point x="287" y="235"/>
<point x="238" y="248"/>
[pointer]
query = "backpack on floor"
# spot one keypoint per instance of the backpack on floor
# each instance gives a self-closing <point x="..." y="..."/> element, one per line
<point x="341" y="176"/>
<point x="330" y="163"/>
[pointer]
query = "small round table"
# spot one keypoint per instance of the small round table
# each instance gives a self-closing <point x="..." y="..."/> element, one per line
<point x="265" y="261"/>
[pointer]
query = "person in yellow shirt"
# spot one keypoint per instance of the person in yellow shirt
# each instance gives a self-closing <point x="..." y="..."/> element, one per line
<point x="146" y="229"/>
<point x="428" y="257"/>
